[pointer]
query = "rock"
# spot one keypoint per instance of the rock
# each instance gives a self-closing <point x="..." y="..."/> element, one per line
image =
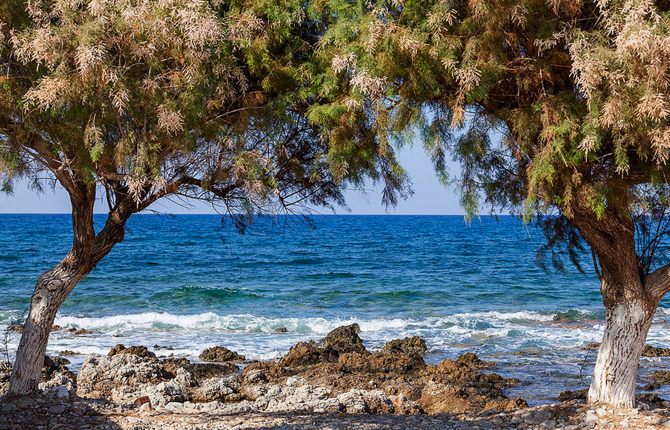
<point x="140" y="351"/>
<point x="305" y="354"/>
<point x="471" y="360"/>
<point x="590" y="346"/>
<point x="219" y="354"/>
<point x="15" y="328"/>
<point x="382" y="362"/>
<point x="281" y="330"/>
<point x="650" y="351"/>
<point x="200" y="371"/>
<point x="56" y="327"/>
<point x="77" y="331"/>
<point x="661" y="376"/>
<point x="261" y="372"/>
<point x="119" y="377"/>
<point x="413" y="345"/>
<point x="345" y="339"/>
<point x="568" y="395"/>
<point x="67" y="352"/>
<point x="342" y="340"/>
<point x="61" y="393"/>
<point x="57" y="409"/>
<point x="221" y="389"/>
<point x="549" y="424"/>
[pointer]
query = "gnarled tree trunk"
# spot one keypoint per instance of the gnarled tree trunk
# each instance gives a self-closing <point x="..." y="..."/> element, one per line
<point x="615" y="373"/>
<point x="630" y="298"/>
<point x="56" y="284"/>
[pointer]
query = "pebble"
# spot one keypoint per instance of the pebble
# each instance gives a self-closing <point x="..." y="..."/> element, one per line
<point x="57" y="409"/>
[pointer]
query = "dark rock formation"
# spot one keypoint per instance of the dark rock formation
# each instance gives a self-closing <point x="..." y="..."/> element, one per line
<point x="140" y="351"/>
<point x="219" y="354"/>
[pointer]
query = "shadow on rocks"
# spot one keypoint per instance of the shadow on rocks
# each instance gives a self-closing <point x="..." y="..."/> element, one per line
<point x="54" y="410"/>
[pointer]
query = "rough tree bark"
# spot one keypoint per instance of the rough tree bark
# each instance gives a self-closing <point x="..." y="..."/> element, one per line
<point x="630" y="298"/>
<point x="57" y="283"/>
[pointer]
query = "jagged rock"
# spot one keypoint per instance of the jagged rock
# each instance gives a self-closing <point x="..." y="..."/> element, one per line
<point x="590" y="346"/>
<point x="56" y="327"/>
<point x="15" y="328"/>
<point x="408" y="345"/>
<point x="281" y="330"/>
<point x="219" y="354"/>
<point x="382" y="362"/>
<point x="200" y="371"/>
<point x="661" y="376"/>
<point x="118" y="376"/>
<point x="261" y="372"/>
<point x="471" y="360"/>
<point x="67" y="352"/>
<point x="140" y="351"/>
<point x="340" y="341"/>
<point x="345" y="339"/>
<point x="568" y="395"/>
<point x="165" y="392"/>
<point x="305" y="354"/>
<point x="78" y="331"/>
<point x="650" y="351"/>
<point x="217" y="389"/>
<point x="64" y="378"/>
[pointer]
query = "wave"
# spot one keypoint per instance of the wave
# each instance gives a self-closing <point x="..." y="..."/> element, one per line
<point x="247" y="323"/>
<point x="227" y="323"/>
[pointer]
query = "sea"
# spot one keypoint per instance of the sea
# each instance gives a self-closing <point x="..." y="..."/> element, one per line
<point x="181" y="283"/>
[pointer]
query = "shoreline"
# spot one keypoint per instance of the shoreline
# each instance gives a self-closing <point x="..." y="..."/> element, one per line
<point x="332" y="383"/>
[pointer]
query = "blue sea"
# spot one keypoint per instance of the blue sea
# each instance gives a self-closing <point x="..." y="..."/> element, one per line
<point x="179" y="284"/>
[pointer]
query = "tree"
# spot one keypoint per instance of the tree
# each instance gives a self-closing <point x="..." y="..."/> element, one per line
<point x="138" y="100"/>
<point x="577" y="89"/>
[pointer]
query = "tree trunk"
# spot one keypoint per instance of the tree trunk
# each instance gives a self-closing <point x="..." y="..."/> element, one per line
<point x="50" y="292"/>
<point x="56" y="284"/>
<point x="615" y="373"/>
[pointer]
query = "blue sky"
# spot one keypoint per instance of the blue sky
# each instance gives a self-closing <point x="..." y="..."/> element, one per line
<point x="430" y="197"/>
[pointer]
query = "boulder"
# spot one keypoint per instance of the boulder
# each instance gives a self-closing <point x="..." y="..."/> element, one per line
<point x="408" y="345"/>
<point x="219" y="354"/>
<point x="381" y="362"/>
<point x="650" y="351"/>
<point x="200" y="371"/>
<point x="217" y="389"/>
<point x="119" y="377"/>
<point x="340" y="341"/>
<point x="140" y="351"/>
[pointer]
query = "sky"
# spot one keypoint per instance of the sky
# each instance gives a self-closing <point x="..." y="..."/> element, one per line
<point x="430" y="196"/>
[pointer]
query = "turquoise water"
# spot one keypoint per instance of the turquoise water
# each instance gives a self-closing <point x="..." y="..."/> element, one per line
<point x="188" y="282"/>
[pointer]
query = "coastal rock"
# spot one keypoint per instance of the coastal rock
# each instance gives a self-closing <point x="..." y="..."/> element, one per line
<point x="345" y="339"/>
<point x="382" y="362"/>
<point x="568" y="395"/>
<point x="650" y="351"/>
<point x="78" y="331"/>
<point x="261" y="372"/>
<point x="217" y="389"/>
<point x="408" y="345"/>
<point x="140" y="351"/>
<point x="281" y="330"/>
<point x="661" y="376"/>
<point x="115" y="377"/>
<point x="471" y="360"/>
<point x="340" y="341"/>
<point x="219" y="354"/>
<point x="200" y="371"/>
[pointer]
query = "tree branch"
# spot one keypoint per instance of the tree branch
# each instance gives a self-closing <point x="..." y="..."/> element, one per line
<point x="657" y="283"/>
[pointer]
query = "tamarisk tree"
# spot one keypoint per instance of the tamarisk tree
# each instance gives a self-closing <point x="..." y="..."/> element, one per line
<point x="577" y="91"/>
<point x="131" y="101"/>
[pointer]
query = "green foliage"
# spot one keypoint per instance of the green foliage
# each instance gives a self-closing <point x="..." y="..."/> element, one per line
<point x="207" y="100"/>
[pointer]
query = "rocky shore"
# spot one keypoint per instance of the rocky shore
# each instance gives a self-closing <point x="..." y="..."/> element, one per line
<point x="333" y="383"/>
